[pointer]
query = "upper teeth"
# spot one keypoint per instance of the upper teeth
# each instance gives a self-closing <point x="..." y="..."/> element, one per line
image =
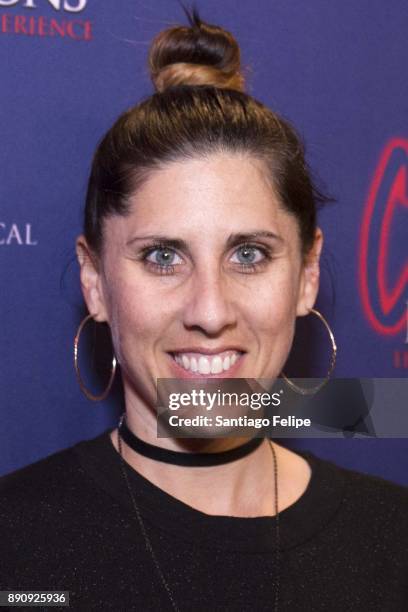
<point x="207" y="364"/>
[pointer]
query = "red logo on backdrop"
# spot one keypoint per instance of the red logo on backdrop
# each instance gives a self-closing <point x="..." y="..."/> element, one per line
<point x="31" y="24"/>
<point x="383" y="279"/>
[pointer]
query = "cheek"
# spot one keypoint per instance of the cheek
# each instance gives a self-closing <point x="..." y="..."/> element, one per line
<point x="134" y="318"/>
<point x="273" y="304"/>
<point x="272" y="317"/>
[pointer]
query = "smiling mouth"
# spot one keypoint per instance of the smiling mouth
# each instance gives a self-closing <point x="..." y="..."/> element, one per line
<point x="200" y="364"/>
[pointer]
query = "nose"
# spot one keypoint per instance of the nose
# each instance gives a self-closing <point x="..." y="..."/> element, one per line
<point x="209" y="306"/>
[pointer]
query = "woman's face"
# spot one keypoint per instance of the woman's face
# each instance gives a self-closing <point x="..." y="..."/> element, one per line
<point x="204" y="277"/>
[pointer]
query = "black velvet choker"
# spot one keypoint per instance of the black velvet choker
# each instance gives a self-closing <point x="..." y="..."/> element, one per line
<point x="182" y="458"/>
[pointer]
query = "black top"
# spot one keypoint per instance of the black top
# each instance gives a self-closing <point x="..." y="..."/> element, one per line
<point x="67" y="523"/>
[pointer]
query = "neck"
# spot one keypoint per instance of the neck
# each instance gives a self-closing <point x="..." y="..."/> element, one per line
<point x="243" y="487"/>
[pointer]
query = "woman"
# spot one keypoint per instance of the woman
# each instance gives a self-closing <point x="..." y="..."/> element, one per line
<point x="200" y="249"/>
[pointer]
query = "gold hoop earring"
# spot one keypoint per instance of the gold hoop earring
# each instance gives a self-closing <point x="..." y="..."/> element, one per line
<point x="317" y="388"/>
<point x="84" y="390"/>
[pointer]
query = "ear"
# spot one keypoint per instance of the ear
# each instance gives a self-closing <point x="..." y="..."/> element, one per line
<point x="310" y="275"/>
<point x="91" y="281"/>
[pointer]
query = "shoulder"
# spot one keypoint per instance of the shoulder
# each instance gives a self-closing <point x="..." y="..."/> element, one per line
<point x="369" y="500"/>
<point x="42" y="486"/>
<point x="369" y="484"/>
<point x="349" y="492"/>
<point x="43" y="466"/>
<point x="50" y="503"/>
<point x="33" y="501"/>
<point x="34" y="475"/>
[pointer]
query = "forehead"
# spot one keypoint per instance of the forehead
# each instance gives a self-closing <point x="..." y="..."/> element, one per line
<point x="207" y="198"/>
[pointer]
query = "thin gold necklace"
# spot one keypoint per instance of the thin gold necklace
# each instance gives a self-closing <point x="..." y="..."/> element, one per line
<point x="124" y="466"/>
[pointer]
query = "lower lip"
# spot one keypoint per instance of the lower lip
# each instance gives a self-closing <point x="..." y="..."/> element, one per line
<point x="180" y="372"/>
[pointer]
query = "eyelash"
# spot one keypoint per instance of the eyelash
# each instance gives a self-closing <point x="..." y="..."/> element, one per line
<point x="170" y="269"/>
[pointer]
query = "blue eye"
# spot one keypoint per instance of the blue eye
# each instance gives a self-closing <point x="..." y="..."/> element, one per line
<point x="163" y="259"/>
<point x="163" y="256"/>
<point x="250" y="254"/>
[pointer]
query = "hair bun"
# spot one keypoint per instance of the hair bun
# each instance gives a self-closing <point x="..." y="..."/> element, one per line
<point x="201" y="54"/>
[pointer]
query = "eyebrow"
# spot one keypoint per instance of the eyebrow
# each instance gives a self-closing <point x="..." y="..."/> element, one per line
<point x="232" y="240"/>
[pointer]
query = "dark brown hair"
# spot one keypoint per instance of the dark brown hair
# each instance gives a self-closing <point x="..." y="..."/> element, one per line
<point x="199" y="108"/>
